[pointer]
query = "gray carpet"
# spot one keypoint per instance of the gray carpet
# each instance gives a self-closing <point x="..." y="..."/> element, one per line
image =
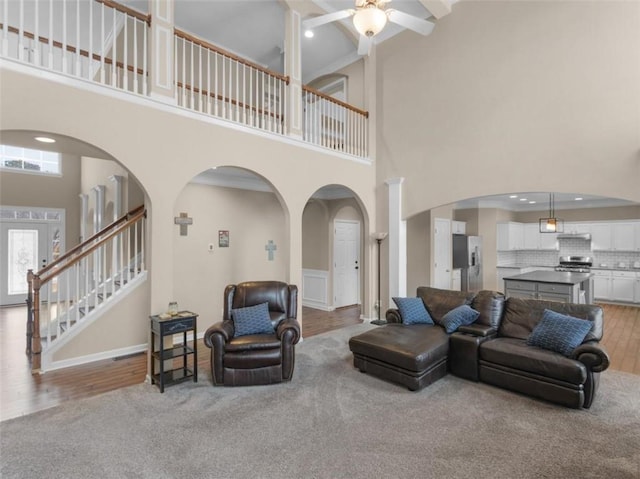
<point x="331" y="421"/>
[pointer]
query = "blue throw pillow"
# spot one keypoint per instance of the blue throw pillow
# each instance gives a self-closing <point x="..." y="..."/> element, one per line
<point x="252" y="320"/>
<point x="412" y="311"/>
<point x="460" y="316"/>
<point x="559" y="332"/>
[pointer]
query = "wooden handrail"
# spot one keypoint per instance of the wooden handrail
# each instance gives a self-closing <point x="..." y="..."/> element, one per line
<point x="72" y="49"/>
<point x="210" y="46"/>
<point x="52" y="274"/>
<point x="335" y="100"/>
<point x="78" y="247"/>
<point x="127" y="10"/>
<point x="228" y="100"/>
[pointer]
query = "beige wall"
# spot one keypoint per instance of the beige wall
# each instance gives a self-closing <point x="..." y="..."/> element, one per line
<point x="252" y="219"/>
<point x="418" y="252"/>
<point x="315" y="240"/>
<point x="21" y="189"/>
<point x="513" y="96"/>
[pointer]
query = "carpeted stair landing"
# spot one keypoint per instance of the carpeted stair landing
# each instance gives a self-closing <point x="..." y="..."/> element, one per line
<point x="331" y="421"/>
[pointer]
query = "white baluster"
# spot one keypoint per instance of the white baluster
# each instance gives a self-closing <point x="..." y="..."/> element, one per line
<point x="201" y="94"/>
<point x="20" y="31"/>
<point x="128" y="254"/>
<point x="90" y="56"/>
<point x="64" y="36"/>
<point x="135" y="55"/>
<point x="125" y="55"/>
<point x="224" y="87"/>
<point x="191" y="75"/>
<point x="102" y="45"/>
<point x="114" y="53"/>
<point x="215" y="97"/>
<point x="144" y="58"/>
<point x="76" y="296"/>
<point x="142" y="244"/>
<point x="244" y="94"/>
<point x="5" y="28"/>
<point x="36" y="35"/>
<point x="208" y="82"/>
<point x="184" y="73"/>
<point x="78" y="71"/>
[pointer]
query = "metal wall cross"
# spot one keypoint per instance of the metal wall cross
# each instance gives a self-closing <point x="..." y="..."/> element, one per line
<point x="270" y="247"/>
<point x="184" y="221"/>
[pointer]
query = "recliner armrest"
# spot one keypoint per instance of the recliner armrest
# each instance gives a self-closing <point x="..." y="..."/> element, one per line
<point x="393" y="316"/>
<point x="592" y="355"/>
<point x="289" y="324"/>
<point x="223" y="328"/>
<point x="478" y="330"/>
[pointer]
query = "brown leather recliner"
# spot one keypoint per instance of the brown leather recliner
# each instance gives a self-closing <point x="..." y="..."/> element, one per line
<point x="258" y="358"/>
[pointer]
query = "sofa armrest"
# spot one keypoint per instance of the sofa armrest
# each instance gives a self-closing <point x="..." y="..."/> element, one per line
<point x="224" y="328"/>
<point x="592" y="355"/>
<point x="393" y="316"/>
<point x="478" y="330"/>
<point x="289" y="325"/>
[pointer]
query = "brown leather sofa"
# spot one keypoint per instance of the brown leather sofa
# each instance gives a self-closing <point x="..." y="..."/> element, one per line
<point x="491" y="350"/>
<point x="256" y="358"/>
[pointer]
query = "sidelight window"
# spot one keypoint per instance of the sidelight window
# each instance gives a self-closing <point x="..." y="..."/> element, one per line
<point x="26" y="160"/>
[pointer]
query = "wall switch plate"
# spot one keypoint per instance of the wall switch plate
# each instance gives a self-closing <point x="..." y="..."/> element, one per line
<point x="210" y="247"/>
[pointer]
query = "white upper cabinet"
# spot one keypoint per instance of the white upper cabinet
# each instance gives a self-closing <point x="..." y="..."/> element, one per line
<point x="600" y="236"/>
<point x="458" y="227"/>
<point x="510" y="236"/>
<point x="549" y="241"/>
<point x="533" y="239"/>
<point x="577" y="228"/>
<point x="624" y="236"/>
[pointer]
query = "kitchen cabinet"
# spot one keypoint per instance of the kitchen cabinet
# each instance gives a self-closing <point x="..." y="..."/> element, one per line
<point x="456" y="279"/>
<point x="623" y="286"/>
<point x="623" y="236"/>
<point x="548" y="241"/>
<point x="534" y="240"/>
<point x="510" y="236"/>
<point x="637" y="289"/>
<point x="602" y="284"/>
<point x="458" y="227"/>
<point x="600" y="236"/>
<point x="636" y="230"/>
<point x="577" y="228"/>
<point x="550" y="286"/>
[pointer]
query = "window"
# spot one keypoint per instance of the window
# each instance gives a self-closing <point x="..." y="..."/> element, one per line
<point x="27" y="160"/>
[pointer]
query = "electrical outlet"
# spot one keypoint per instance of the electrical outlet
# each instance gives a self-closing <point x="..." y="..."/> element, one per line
<point x="210" y="247"/>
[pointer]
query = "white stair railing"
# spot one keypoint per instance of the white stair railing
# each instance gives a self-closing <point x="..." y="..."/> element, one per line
<point x="97" y="40"/>
<point x="83" y="280"/>
<point x="212" y="81"/>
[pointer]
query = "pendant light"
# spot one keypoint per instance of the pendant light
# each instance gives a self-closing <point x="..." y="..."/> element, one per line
<point x="551" y="224"/>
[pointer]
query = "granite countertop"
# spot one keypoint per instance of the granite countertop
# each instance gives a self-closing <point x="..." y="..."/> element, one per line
<point x="558" y="277"/>
<point x="615" y="268"/>
<point x="525" y="265"/>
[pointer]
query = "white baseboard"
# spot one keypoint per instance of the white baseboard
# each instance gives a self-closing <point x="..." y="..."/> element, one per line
<point x="90" y="358"/>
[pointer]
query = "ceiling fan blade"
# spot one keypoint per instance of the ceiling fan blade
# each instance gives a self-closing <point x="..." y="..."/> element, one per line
<point x="364" y="45"/>
<point x="327" y="18"/>
<point x="416" y="24"/>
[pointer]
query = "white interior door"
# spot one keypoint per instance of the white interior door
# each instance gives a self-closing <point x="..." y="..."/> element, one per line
<point x="23" y="246"/>
<point x="346" y="263"/>
<point x="442" y="254"/>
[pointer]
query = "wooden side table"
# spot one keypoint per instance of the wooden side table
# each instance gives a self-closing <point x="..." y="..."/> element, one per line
<point x="162" y="326"/>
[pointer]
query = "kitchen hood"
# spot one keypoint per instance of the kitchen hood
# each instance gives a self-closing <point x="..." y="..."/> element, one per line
<point x="582" y="236"/>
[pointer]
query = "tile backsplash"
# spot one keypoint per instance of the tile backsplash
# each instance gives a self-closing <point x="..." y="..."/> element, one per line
<point x="568" y="247"/>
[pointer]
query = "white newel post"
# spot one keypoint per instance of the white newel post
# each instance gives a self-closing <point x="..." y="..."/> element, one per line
<point x="161" y="52"/>
<point x="397" y="241"/>
<point x="293" y="69"/>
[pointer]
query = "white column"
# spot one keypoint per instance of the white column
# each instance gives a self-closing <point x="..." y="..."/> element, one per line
<point x="293" y="68"/>
<point x="84" y="216"/>
<point x="370" y="100"/>
<point x="161" y="52"/>
<point x="98" y="211"/>
<point x="118" y="200"/>
<point x="397" y="241"/>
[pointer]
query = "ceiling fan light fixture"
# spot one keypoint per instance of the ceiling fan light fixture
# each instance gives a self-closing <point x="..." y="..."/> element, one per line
<point x="370" y="20"/>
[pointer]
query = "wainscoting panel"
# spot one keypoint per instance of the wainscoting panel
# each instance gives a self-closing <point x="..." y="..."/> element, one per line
<point x="315" y="289"/>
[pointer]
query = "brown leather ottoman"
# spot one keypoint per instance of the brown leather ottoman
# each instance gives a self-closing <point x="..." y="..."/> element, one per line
<point x="412" y="355"/>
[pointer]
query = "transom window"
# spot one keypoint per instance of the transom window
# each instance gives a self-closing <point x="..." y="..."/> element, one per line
<point x="16" y="158"/>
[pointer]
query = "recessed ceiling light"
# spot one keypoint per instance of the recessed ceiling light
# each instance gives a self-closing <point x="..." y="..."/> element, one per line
<point x="44" y="139"/>
<point x="523" y="199"/>
<point x="513" y="196"/>
<point x="308" y="33"/>
<point x="578" y="198"/>
<point x="531" y="202"/>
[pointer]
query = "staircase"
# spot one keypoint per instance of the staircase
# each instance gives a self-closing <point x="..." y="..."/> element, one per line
<point x="81" y="285"/>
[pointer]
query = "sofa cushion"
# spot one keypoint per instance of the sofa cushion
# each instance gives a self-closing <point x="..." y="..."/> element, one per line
<point x="460" y="316"/>
<point x="558" y="332"/>
<point x="412" y="311"/>
<point x="490" y="305"/>
<point x="522" y="315"/>
<point x="415" y="348"/>
<point x="440" y="301"/>
<point x="516" y="354"/>
<point x="252" y="320"/>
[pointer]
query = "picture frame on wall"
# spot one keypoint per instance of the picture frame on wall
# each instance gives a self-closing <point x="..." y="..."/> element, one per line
<point x="223" y="238"/>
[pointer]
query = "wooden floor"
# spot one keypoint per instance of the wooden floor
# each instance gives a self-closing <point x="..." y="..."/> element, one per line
<point x="22" y="393"/>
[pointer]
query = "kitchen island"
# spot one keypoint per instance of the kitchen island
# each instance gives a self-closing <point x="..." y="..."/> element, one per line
<point x="560" y="286"/>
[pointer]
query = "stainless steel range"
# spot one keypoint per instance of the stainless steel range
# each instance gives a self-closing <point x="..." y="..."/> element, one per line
<point x="575" y="264"/>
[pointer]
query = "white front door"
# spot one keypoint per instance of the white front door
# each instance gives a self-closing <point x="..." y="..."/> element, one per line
<point x="442" y="254"/>
<point x="23" y="246"/>
<point x="346" y="263"/>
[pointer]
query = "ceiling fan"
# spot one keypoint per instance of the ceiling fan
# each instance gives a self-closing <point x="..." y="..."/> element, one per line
<point x="369" y="18"/>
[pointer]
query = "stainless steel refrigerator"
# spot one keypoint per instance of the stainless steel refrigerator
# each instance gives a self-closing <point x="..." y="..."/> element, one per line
<point x="467" y="255"/>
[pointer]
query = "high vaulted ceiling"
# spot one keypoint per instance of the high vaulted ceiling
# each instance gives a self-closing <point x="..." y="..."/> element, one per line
<point x="254" y="29"/>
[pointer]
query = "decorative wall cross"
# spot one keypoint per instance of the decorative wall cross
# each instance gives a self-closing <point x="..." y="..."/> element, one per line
<point x="270" y="247"/>
<point x="184" y="221"/>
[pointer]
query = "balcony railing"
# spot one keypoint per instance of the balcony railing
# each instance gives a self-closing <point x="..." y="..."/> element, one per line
<point x="107" y="43"/>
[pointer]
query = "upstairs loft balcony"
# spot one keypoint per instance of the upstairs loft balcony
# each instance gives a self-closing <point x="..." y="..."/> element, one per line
<point x="115" y="46"/>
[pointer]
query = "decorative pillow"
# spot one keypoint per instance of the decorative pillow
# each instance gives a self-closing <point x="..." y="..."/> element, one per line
<point x="252" y="320"/>
<point x="412" y="311"/>
<point x="460" y="316"/>
<point x="559" y="332"/>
